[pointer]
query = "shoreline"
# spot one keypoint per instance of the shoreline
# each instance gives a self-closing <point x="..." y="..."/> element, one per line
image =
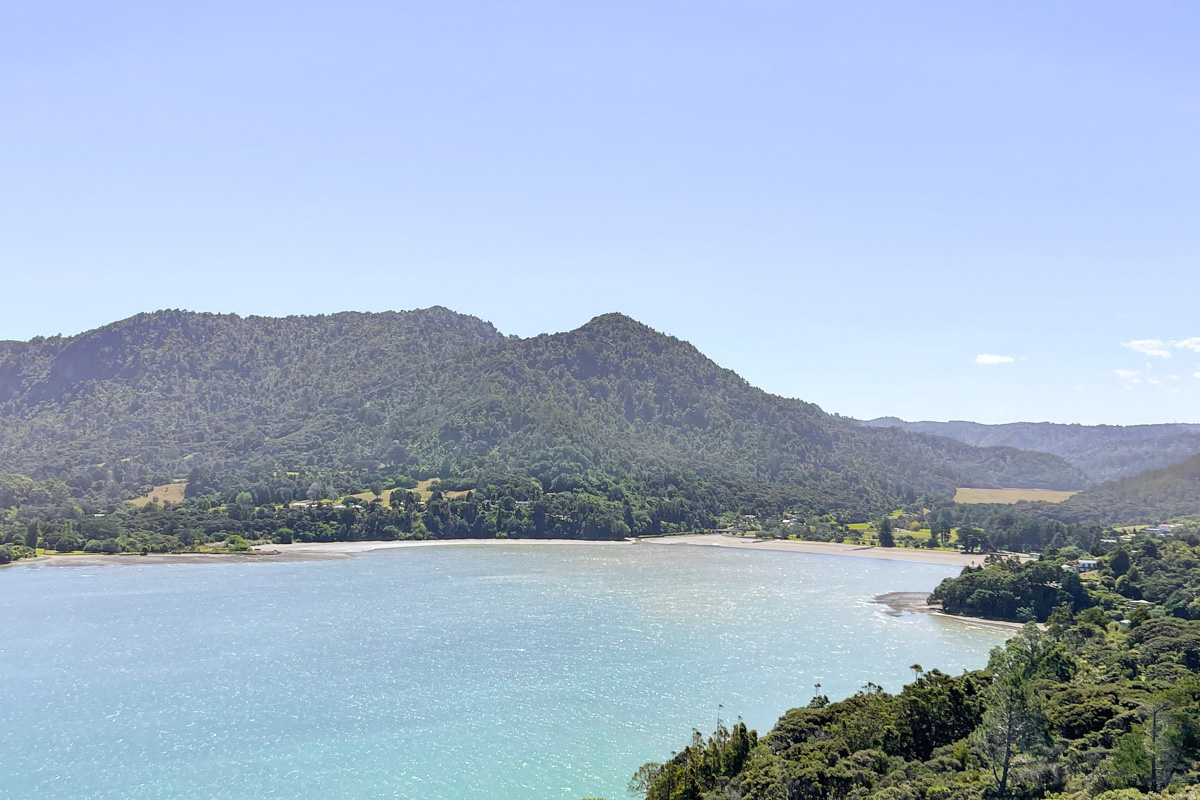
<point x="305" y="551"/>
<point x="901" y="603"/>
<point x="347" y="549"/>
<point x="910" y="554"/>
<point x="263" y="553"/>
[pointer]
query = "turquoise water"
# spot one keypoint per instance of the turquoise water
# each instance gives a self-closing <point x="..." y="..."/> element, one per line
<point x="441" y="673"/>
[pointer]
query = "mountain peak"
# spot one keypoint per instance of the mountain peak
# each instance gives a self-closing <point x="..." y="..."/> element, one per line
<point x="614" y="321"/>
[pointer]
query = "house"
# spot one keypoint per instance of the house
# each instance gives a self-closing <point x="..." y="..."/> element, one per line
<point x="1087" y="564"/>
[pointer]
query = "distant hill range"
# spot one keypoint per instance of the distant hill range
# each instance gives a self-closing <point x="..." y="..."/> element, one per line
<point x="1102" y="452"/>
<point x="231" y="400"/>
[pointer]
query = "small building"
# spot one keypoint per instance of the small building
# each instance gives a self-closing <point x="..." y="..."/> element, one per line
<point x="1087" y="564"/>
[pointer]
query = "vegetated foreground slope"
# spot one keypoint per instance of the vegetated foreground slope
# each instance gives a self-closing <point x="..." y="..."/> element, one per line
<point x="1101" y="702"/>
<point x="159" y="396"/>
<point x="1102" y="452"/>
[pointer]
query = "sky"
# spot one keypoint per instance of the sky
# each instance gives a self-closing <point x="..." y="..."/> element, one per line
<point x="967" y="210"/>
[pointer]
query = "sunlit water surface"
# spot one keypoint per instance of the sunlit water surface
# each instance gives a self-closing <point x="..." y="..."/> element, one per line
<point x="441" y="673"/>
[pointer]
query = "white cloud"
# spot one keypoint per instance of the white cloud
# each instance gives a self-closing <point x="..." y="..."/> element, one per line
<point x="1162" y="347"/>
<point x="1189" y="344"/>
<point x="1125" y="373"/>
<point x="1197" y="375"/>
<point x="1149" y="347"/>
<point x="987" y="358"/>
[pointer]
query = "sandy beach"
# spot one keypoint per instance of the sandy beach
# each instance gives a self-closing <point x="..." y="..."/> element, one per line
<point x="317" y="550"/>
<point x="268" y="553"/>
<point x="342" y="549"/>
<point x="911" y="554"/>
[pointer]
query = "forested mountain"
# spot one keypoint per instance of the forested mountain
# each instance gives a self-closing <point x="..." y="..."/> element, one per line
<point x="1102" y="452"/>
<point x="1172" y="491"/>
<point x="233" y="402"/>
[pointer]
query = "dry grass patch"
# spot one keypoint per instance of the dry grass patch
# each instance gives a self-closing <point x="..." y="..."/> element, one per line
<point x="385" y="497"/>
<point x="167" y="493"/>
<point x="973" y="496"/>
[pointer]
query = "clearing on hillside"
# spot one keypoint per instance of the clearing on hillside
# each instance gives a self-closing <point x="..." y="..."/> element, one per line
<point x="424" y="489"/>
<point x="973" y="496"/>
<point x="167" y="493"/>
<point x="384" y="498"/>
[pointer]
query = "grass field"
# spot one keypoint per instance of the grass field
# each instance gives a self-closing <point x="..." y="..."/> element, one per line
<point x="971" y="496"/>
<point x="384" y="498"/>
<point x="167" y="493"/>
<point x="425" y="492"/>
<point x="422" y="489"/>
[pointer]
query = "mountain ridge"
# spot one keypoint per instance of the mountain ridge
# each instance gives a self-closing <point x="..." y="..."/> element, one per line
<point x="1102" y="452"/>
<point x="432" y="391"/>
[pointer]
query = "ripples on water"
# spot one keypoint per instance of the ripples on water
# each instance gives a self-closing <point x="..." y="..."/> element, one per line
<point x="440" y="673"/>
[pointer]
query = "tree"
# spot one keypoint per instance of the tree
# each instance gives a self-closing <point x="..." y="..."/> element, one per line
<point x="1129" y="761"/>
<point x="886" y="538"/>
<point x="1119" y="563"/>
<point x="1163" y="756"/>
<point x="1012" y="724"/>
<point x="940" y="527"/>
<point x="644" y="778"/>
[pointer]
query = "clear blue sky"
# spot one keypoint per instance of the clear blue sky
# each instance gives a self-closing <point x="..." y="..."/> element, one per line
<point x="845" y="202"/>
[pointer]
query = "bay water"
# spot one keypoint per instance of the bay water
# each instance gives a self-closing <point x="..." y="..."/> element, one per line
<point x="507" y="672"/>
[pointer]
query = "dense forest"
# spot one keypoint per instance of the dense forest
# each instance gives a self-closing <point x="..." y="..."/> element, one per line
<point x="261" y="404"/>
<point x="1102" y="452"/>
<point x="611" y="429"/>
<point x="1171" y="491"/>
<point x="1101" y="702"/>
<point x="512" y="508"/>
<point x="1149" y="571"/>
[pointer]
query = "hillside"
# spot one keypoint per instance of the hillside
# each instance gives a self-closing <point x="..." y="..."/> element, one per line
<point x="1102" y="452"/>
<point x="232" y="401"/>
<point x="1170" y="492"/>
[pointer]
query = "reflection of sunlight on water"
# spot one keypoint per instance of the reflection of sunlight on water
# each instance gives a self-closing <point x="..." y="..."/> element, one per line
<point x="578" y="664"/>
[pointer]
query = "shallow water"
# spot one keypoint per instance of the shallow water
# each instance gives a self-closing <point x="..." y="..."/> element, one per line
<point x="440" y="673"/>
